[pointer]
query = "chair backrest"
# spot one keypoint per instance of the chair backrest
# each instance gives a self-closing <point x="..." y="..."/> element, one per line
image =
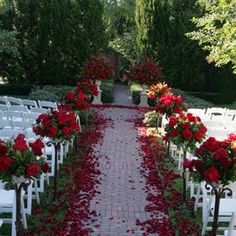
<point x="38" y="110"/>
<point x="18" y="108"/>
<point x="3" y="100"/>
<point x="3" y="107"/>
<point x="29" y="103"/>
<point x="212" y="124"/>
<point x="197" y="111"/>
<point x="216" y="111"/>
<point x="219" y="134"/>
<point x="14" y="101"/>
<point x="47" y="104"/>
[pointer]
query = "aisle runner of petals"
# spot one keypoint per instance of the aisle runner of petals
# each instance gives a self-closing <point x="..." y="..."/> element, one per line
<point x="158" y="180"/>
<point x="86" y="178"/>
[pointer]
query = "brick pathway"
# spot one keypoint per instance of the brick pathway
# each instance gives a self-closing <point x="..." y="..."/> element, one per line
<point x="122" y="190"/>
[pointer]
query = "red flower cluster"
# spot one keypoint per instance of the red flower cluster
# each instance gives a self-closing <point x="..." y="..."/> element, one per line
<point x="17" y="159"/>
<point x="144" y="71"/>
<point x="170" y="104"/>
<point x="58" y="124"/>
<point x="97" y="68"/>
<point x="158" y="90"/>
<point x="87" y="87"/>
<point x="185" y="130"/>
<point x="216" y="161"/>
<point x="76" y="101"/>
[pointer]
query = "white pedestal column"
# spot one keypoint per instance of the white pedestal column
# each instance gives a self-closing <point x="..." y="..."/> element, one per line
<point x="143" y="97"/>
<point x="97" y="99"/>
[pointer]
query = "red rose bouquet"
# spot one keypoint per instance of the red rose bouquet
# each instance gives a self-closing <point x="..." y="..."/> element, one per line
<point x="170" y="104"/>
<point x="21" y="159"/>
<point x="76" y="101"/>
<point x="216" y="161"/>
<point x="144" y="71"/>
<point x="158" y="90"/>
<point x="185" y="131"/>
<point x="87" y="87"/>
<point x="57" y="125"/>
<point x="97" y="68"/>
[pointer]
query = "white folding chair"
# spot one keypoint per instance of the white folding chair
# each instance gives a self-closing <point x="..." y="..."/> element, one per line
<point x="18" y="108"/>
<point x="219" y="134"/>
<point x="29" y="103"/>
<point x="13" y="101"/>
<point x="38" y="110"/>
<point x="8" y="205"/>
<point x="6" y="124"/>
<point x="3" y="107"/>
<point x="22" y="125"/>
<point x="31" y="116"/>
<point x="13" y="115"/>
<point x="3" y="100"/>
<point x="47" y="104"/>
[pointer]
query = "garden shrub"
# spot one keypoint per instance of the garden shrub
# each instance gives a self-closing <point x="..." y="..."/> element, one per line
<point x="49" y="93"/>
<point x="107" y="88"/>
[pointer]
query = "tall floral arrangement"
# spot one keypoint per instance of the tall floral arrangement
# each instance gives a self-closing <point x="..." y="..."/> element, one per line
<point x="76" y="101"/>
<point x="157" y="90"/>
<point x="185" y="131"/>
<point x="21" y="159"/>
<point x="170" y="104"/>
<point x="216" y="161"/>
<point x="57" y="124"/>
<point x="97" y="68"/>
<point x="144" y="71"/>
<point x="89" y="88"/>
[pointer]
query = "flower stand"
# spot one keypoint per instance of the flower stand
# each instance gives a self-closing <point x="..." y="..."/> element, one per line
<point x="143" y="97"/>
<point x="97" y="99"/>
<point x="217" y="191"/>
<point x="20" y="183"/>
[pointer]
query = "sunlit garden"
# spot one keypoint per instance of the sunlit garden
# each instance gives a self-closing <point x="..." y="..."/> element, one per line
<point x="117" y="117"/>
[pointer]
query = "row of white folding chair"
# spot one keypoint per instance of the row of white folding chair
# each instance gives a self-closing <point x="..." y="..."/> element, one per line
<point x="7" y="100"/>
<point x="20" y="108"/>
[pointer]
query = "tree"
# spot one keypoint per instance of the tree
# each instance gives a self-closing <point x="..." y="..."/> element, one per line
<point x="216" y="31"/>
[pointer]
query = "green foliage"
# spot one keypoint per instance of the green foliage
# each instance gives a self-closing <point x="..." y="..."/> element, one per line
<point x="8" y="43"/>
<point x="19" y="89"/>
<point x="55" y="37"/>
<point x="107" y="88"/>
<point x="216" y="31"/>
<point x="49" y="93"/>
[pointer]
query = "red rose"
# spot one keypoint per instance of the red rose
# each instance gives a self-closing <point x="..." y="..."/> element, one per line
<point x="45" y="167"/>
<point x="198" y="135"/>
<point x="5" y="163"/>
<point x="52" y="132"/>
<point x="212" y="174"/>
<point x="185" y="126"/>
<point x="212" y="144"/>
<point x="37" y="147"/>
<point x="174" y="133"/>
<point x="3" y="148"/>
<point x="173" y="121"/>
<point x="187" y="134"/>
<point x="221" y="153"/>
<point x="70" y="96"/>
<point x="202" y="128"/>
<point x="187" y="163"/>
<point x="198" y="165"/>
<point x="67" y="131"/>
<point x="20" y="144"/>
<point x="177" y="109"/>
<point x="32" y="170"/>
<point x="167" y="102"/>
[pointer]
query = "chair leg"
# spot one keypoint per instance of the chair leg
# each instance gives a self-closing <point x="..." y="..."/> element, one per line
<point x="36" y="190"/>
<point x="197" y="198"/>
